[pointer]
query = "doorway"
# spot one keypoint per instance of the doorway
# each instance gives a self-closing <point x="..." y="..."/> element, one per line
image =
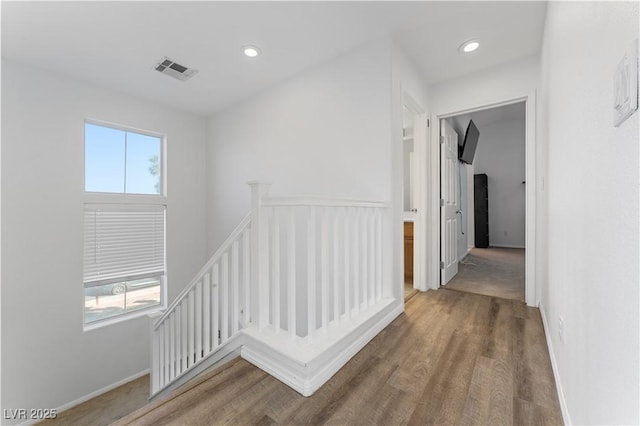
<point x="490" y="202"/>
<point x="416" y="137"/>
<point x="409" y="198"/>
<point x="526" y="105"/>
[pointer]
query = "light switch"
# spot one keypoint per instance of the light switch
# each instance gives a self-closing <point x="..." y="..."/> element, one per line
<point x="625" y="86"/>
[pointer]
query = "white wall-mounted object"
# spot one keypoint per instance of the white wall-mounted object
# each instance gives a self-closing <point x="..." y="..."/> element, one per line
<point x="173" y="69"/>
<point x="625" y="86"/>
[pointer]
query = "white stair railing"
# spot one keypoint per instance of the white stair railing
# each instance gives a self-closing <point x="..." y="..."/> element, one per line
<point x="296" y="268"/>
<point x="213" y="308"/>
<point x="321" y="261"/>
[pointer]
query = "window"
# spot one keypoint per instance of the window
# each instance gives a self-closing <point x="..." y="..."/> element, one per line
<point x="123" y="162"/>
<point x="124" y="224"/>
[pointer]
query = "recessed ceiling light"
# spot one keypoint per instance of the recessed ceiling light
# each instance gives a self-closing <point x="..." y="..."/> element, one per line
<point x="251" y="51"/>
<point x="469" y="46"/>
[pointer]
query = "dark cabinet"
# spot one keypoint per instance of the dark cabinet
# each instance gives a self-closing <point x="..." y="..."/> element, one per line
<point x="481" y="210"/>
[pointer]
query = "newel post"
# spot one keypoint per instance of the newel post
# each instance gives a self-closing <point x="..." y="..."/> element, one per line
<point x="259" y="255"/>
<point x="155" y="367"/>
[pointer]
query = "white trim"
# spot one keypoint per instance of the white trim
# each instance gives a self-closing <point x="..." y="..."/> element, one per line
<point x="310" y="200"/>
<point x="123" y="127"/>
<point x="434" y="205"/>
<point x="530" y="202"/>
<point x="223" y="354"/>
<point x="311" y="367"/>
<point x="301" y="365"/>
<point x="506" y="246"/>
<point x="91" y="395"/>
<point x="151" y="310"/>
<point x="327" y="370"/>
<point x="421" y="138"/>
<point x="128" y="129"/>
<point x="554" y="366"/>
<point x="483" y="106"/>
<point x="465" y="254"/>
<point x="110" y="198"/>
<point x="1" y="405"/>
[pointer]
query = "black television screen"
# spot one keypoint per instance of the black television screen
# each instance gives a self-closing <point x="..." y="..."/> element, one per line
<point x="468" y="150"/>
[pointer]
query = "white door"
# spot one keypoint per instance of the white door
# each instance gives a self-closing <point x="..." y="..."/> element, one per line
<point x="420" y="144"/>
<point x="449" y="202"/>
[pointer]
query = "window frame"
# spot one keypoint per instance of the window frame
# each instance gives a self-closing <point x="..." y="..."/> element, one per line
<point x="129" y="129"/>
<point x="127" y="199"/>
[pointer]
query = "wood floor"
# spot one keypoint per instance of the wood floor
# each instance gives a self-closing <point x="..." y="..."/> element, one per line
<point x="106" y="408"/>
<point x="452" y="358"/>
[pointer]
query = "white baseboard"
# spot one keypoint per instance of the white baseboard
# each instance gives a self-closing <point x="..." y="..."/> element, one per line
<point x="506" y="246"/>
<point x="307" y="370"/>
<point x="341" y="358"/>
<point x="91" y="395"/>
<point x="460" y="258"/>
<point x="226" y="353"/>
<point x="556" y="374"/>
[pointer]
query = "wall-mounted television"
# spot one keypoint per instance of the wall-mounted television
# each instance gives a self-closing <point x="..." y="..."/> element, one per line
<point x="468" y="149"/>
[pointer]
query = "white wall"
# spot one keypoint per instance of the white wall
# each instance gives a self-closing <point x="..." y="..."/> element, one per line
<point x="406" y="78"/>
<point x="501" y="155"/>
<point x="592" y="213"/>
<point x="48" y="361"/>
<point x="507" y="81"/>
<point x="325" y="132"/>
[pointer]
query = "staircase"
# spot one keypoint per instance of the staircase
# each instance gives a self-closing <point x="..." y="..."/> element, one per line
<point x="298" y="288"/>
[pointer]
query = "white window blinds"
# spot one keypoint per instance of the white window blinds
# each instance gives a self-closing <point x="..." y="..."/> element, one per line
<point x="123" y="242"/>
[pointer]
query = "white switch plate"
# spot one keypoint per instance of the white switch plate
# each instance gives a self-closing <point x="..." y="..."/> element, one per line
<point x="625" y="86"/>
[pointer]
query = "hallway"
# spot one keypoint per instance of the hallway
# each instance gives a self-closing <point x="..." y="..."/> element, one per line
<point x="452" y="358"/>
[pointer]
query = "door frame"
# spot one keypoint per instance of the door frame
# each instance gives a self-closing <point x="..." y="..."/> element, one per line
<point x="421" y="139"/>
<point x="529" y="98"/>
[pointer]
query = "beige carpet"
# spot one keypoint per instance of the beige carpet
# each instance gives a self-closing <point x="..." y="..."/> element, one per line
<point x="495" y="272"/>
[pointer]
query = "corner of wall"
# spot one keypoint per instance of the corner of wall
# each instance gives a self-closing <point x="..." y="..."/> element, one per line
<point x="554" y="366"/>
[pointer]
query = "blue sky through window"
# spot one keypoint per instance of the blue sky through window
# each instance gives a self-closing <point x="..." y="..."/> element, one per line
<point x="106" y="152"/>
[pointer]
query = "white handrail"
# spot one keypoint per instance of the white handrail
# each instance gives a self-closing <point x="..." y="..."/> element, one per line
<point x="310" y="200"/>
<point x="216" y="256"/>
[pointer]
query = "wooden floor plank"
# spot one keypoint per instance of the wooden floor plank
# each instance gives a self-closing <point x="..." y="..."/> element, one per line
<point x="501" y="395"/>
<point x="389" y="406"/>
<point x="476" y="406"/>
<point x="355" y="402"/>
<point x="100" y="410"/>
<point x="440" y="402"/>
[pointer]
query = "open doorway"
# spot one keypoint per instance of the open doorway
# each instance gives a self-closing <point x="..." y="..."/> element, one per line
<point x="415" y="150"/>
<point x="491" y="198"/>
<point x="505" y="158"/>
<point x="409" y="199"/>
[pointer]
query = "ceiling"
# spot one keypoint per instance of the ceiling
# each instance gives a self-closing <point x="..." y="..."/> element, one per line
<point x="116" y="44"/>
<point x="492" y="115"/>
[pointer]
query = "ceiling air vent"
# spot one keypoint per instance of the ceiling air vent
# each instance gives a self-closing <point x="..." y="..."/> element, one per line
<point x="170" y="67"/>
